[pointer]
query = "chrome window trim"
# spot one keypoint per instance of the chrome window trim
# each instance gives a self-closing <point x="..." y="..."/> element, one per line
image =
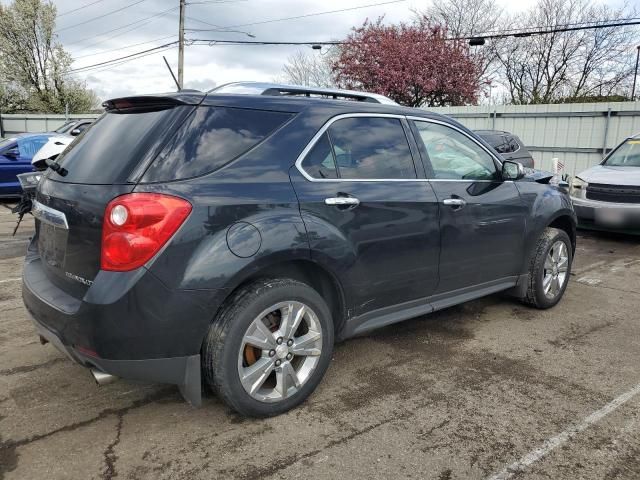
<point x="332" y="120"/>
<point x="430" y="120"/>
<point x="49" y="215"/>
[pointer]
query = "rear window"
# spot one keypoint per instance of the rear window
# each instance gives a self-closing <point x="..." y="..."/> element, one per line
<point x="116" y="144"/>
<point x="211" y="138"/>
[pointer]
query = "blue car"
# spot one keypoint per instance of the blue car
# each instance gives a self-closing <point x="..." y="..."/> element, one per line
<point x="15" y="158"/>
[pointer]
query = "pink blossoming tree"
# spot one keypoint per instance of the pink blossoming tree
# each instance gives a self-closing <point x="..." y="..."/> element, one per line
<point x="413" y="64"/>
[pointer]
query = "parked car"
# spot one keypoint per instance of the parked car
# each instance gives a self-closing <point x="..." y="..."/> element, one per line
<point x="236" y="236"/>
<point x="508" y="145"/>
<point x="74" y="127"/>
<point x="15" y="158"/>
<point x="55" y="146"/>
<point x="607" y="196"/>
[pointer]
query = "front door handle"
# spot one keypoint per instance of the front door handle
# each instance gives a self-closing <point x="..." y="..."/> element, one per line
<point x="454" y="202"/>
<point x="342" y="201"/>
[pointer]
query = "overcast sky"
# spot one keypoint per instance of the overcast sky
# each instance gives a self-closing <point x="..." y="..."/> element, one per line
<point x="93" y="41"/>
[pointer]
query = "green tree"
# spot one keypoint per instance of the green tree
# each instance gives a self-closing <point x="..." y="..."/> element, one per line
<point x="34" y="68"/>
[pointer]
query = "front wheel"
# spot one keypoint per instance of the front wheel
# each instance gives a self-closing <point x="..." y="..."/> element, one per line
<point x="549" y="269"/>
<point x="269" y="347"/>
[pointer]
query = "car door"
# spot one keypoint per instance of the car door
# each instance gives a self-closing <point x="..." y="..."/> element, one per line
<point x="11" y="164"/>
<point x="482" y="217"/>
<point x="369" y="215"/>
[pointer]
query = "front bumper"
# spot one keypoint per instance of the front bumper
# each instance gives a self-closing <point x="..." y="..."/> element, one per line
<point x="621" y="217"/>
<point x="111" y="337"/>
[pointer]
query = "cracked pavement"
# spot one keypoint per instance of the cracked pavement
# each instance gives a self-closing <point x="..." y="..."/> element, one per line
<point x="457" y="394"/>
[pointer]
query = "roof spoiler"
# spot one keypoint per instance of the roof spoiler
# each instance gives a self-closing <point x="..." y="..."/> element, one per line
<point x="153" y="102"/>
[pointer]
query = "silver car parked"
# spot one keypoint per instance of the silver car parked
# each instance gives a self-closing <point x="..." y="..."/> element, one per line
<point x="607" y="196"/>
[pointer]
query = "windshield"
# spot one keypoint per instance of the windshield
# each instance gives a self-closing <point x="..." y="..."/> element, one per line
<point x="66" y="126"/>
<point x="6" y="141"/>
<point x="626" y="155"/>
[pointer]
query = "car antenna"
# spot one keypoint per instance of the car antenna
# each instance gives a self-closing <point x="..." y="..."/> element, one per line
<point x="171" y="72"/>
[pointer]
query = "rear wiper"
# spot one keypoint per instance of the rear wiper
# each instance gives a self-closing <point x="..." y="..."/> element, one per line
<point x="55" y="166"/>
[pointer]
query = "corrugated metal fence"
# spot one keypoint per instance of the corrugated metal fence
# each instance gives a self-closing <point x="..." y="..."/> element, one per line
<point x="37" y="122"/>
<point x="577" y="134"/>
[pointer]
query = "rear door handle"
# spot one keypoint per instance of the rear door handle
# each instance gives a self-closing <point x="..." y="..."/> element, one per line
<point x="454" y="202"/>
<point x="351" y="201"/>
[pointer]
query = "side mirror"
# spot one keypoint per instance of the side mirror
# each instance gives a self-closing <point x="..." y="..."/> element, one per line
<point x="512" y="170"/>
<point x="75" y="132"/>
<point x="12" y="154"/>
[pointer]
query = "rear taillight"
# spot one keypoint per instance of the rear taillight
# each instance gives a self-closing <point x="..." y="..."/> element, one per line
<point x="136" y="226"/>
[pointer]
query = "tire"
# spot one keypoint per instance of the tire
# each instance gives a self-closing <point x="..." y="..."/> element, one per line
<point x="230" y="352"/>
<point x="541" y="294"/>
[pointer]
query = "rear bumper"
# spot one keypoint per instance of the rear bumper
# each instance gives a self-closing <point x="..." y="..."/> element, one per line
<point x="622" y="217"/>
<point x="181" y="371"/>
<point x="148" y="333"/>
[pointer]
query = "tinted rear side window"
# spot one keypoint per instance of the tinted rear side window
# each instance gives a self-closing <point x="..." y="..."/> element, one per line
<point x="371" y="148"/>
<point x="211" y="138"/>
<point x="108" y="152"/>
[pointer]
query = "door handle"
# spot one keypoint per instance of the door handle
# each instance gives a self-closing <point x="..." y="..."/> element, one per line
<point x="454" y="202"/>
<point x="340" y="201"/>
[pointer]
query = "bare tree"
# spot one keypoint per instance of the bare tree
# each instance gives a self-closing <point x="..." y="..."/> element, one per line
<point x="565" y="66"/>
<point x="469" y="18"/>
<point x="309" y="70"/>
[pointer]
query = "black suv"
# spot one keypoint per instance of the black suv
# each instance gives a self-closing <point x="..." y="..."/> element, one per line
<point x="236" y="236"/>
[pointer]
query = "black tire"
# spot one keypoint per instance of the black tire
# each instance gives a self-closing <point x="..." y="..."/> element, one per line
<point x="535" y="295"/>
<point x="224" y="340"/>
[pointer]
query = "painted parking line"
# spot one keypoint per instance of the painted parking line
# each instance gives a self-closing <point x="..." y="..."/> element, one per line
<point x="16" y="279"/>
<point x="554" y="442"/>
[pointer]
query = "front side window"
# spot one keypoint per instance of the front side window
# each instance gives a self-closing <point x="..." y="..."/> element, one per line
<point x="454" y="155"/>
<point x="371" y="148"/>
<point x="626" y="155"/>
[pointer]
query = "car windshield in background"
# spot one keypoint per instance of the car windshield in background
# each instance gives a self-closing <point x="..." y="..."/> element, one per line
<point x="627" y="155"/>
<point x="64" y="128"/>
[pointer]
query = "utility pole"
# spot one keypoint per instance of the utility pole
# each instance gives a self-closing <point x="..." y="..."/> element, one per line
<point x="635" y="75"/>
<point x="181" y="47"/>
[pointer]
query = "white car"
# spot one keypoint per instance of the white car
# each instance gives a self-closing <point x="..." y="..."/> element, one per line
<point x="50" y="150"/>
<point x="607" y="196"/>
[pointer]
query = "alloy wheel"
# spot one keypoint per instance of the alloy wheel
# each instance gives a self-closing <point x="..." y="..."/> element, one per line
<point x="279" y="351"/>
<point x="556" y="267"/>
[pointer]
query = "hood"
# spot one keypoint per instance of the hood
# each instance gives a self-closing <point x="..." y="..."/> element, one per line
<point x="54" y="147"/>
<point x="628" y="176"/>
<point x="533" y="175"/>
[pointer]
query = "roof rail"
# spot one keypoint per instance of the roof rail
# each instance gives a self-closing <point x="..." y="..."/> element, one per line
<point x="259" y="88"/>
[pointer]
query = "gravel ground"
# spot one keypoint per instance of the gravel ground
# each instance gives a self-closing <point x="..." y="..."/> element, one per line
<point x="489" y="388"/>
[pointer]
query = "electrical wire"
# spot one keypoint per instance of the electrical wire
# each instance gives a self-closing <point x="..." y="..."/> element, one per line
<point x="79" y="8"/>
<point x="262" y="22"/>
<point x="123" y="57"/>
<point x="137" y="23"/>
<point x="213" y="42"/>
<point x="100" y="16"/>
<point x="125" y="47"/>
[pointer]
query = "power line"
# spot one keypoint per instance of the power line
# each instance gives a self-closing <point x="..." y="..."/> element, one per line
<point x="142" y="21"/>
<point x="213" y="42"/>
<point x="79" y="8"/>
<point x="262" y="22"/>
<point x="120" y="48"/>
<point x="124" y="57"/>
<point x="103" y="68"/>
<point x="100" y="16"/>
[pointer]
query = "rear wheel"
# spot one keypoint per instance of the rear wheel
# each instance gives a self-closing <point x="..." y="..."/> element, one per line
<point x="549" y="269"/>
<point x="269" y="347"/>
